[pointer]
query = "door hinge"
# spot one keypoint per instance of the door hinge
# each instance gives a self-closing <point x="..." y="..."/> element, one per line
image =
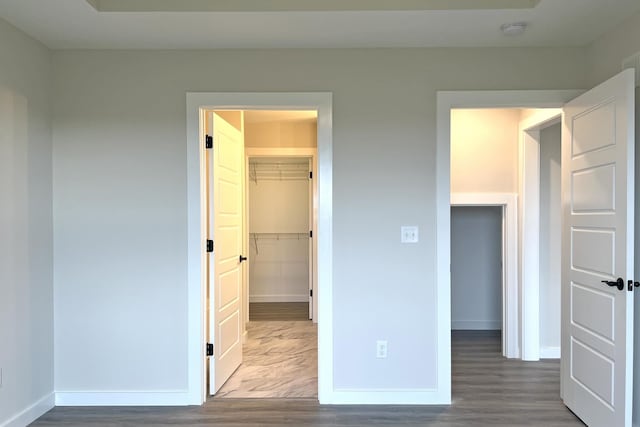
<point x="209" y="349"/>
<point x="311" y="292"/>
<point x="209" y="245"/>
<point x="631" y="284"/>
<point x="310" y="174"/>
<point x="310" y="233"/>
<point x="208" y="141"/>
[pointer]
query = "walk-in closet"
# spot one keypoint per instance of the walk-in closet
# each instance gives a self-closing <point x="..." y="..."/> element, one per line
<point x="279" y="229"/>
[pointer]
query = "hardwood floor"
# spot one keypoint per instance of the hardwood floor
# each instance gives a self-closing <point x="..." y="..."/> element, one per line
<point x="259" y="311"/>
<point x="488" y="390"/>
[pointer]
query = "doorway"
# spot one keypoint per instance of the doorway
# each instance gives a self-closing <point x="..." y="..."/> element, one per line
<point x="280" y="336"/>
<point x="280" y="195"/>
<point x="197" y="105"/>
<point x="506" y="205"/>
<point x="261" y="214"/>
<point x="597" y="140"/>
<point x="476" y="268"/>
<point x="484" y="172"/>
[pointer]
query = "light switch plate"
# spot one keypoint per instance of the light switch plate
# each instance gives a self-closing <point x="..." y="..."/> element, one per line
<point x="409" y="234"/>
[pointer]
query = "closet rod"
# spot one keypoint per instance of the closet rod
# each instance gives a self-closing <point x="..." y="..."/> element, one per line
<point x="278" y="236"/>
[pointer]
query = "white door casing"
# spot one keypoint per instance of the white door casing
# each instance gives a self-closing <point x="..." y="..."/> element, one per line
<point x="597" y="203"/>
<point x="311" y="256"/>
<point x="529" y="230"/>
<point x="198" y="103"/>
<point x="225" y="196"/>
<point x="509" y="292"/>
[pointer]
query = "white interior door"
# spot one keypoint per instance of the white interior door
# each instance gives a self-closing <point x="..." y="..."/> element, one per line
<point x="598" y="201"/>
<point x="226" y="194"/>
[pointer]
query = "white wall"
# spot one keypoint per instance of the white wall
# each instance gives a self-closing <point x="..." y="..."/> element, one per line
<point x="484" y="150"/>
<point x="476" y="267"/>
<point x="120" y="179"/>
<point x="606" y="54"/>
<point x="550" y="233"/>
<point x="298" y="134"/>
<point x="26" y="258"/>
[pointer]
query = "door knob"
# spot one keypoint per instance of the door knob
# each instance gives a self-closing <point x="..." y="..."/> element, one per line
<point x="243" y="258"/>
<point x="618" y="283"/>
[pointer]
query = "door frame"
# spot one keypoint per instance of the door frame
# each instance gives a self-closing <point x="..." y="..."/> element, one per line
<point x="529" y="189"/>
<point x="509" y="271"/>
<point x="309" y="153"/>
<point x="446" y="101"/>
<point x="197" y="103"/>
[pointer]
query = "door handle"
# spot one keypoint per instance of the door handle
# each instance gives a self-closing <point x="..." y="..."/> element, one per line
<point x="618" y="283"/>
<point x="243" y="258"/>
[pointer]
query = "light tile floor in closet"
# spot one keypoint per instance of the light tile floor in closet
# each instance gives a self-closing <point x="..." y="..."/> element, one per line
<point x="280" y="361"/>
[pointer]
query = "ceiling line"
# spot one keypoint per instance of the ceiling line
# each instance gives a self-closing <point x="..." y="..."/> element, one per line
<point x="304" y="5"/>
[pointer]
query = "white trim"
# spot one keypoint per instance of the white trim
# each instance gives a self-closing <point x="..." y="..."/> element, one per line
<point x="279" y="298"/>
<point x="31" y="413"/>
<point x="529" y="188"/>
<point x="445" y="102"/>
<point x="549" y="352"/>
<point x="123" y="398"/>
<point x="476" y="325"/>
<point x="509" y="203"/>
<point x="321" y="102"/>
<point x="389" y="397"/>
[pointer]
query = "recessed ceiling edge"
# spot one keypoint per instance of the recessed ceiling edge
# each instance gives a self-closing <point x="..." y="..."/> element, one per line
<point x="306" y="6"/>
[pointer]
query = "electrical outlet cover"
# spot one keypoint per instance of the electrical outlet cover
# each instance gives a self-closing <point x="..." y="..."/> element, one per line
<point x="409" y="234"/>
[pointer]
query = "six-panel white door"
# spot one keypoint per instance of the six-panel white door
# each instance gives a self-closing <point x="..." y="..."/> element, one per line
<point x="598" y="201"/>
<point x="225" y="195"/>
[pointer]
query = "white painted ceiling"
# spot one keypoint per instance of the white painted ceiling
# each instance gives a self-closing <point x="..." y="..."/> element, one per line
<point x="76" y="24"/>
<point x="268" y="116"/>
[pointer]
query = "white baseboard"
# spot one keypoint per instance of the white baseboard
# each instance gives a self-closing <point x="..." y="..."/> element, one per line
<point x="549" y="352"/>
<point x="387" y="397"/>
<point x="279" y="298"/>
<point x="123" y="398"/>
<point x="479" y="325"/>
<point x="30" y="414"/>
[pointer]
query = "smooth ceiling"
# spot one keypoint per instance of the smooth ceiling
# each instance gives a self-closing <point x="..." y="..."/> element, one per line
<point x="77" y="24"/>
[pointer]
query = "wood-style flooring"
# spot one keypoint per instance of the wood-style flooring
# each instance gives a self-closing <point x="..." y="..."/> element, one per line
<point x="259" y="311"/>
<point x="488" y="390"/>
<point x="280" y="360"/>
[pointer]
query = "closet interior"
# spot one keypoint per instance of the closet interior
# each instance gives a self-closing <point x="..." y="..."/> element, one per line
<point x="279" y="229"/>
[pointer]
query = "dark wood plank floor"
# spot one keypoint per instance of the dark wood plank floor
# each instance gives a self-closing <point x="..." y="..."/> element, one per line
<point x="260" y="311"/>
<point x="488" y="390"/>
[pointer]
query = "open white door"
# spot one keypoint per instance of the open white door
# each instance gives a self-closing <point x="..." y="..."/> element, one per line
<point x="597" y="241"/>
<point x="225" y="194"/>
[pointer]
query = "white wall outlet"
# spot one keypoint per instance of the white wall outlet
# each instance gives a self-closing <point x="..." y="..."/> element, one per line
<point x="409" y="234"/>
<point x="381" y="349"/>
